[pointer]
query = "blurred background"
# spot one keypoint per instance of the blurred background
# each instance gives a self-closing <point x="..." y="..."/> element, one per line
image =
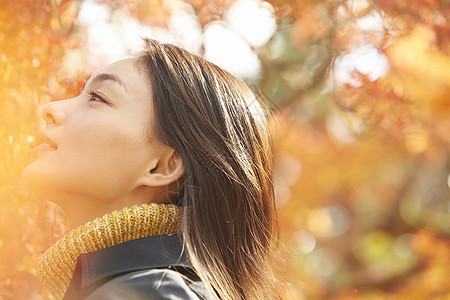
<point x="360" y="94"/>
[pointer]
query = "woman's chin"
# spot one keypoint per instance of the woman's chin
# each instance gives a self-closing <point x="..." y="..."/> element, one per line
<point x="38" y="183"/>
<point x="28" y="178"/>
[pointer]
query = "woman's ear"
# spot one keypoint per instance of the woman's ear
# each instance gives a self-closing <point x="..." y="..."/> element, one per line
<point x="167" y="169"/>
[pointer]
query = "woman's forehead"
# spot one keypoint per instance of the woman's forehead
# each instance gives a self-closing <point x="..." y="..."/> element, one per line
<point x="126" y="73"/>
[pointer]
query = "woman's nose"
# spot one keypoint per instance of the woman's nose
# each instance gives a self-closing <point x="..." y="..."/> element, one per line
<point x="49" y="113"/>
<point x="54" y="112"/>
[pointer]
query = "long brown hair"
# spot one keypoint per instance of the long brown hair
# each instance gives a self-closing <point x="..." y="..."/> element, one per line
<point x="219" y="128"/>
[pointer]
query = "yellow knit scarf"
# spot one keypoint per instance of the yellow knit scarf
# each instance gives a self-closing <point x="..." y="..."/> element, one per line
<point x="56" y="265"/>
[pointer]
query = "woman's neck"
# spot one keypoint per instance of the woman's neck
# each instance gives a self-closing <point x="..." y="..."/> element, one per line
<point x="80" y="209"/>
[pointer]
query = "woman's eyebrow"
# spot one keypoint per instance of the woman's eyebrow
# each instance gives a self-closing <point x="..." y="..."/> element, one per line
<point x="108" y="76"/>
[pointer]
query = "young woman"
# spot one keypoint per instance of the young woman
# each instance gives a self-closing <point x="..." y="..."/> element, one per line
<point x="171" y="157"/>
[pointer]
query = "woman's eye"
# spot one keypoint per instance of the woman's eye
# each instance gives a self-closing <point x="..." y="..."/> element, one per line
<point x="95" y="97"/>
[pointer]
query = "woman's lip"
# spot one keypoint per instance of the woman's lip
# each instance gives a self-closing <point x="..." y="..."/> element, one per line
<point x="44" y="142"/>
<point x="44" y="146"/>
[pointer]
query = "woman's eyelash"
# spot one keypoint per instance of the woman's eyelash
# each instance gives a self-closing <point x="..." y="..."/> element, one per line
<point x="95" y="97"/>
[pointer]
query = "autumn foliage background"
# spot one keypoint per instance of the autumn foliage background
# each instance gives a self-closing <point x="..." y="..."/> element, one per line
<point x="362" y="149"/>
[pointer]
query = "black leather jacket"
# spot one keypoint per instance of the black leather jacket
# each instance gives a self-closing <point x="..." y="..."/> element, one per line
<point x="153" y="268"/>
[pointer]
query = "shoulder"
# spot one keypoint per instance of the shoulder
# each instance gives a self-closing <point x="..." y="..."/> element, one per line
<point x="155" y="267"/>
<point x="150" y="284"/>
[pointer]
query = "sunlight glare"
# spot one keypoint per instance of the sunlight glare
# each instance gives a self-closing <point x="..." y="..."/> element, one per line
<point x="229" y="51"/>
<point x="185" y="25"/>
<point x="366" y="59"/>
<point x="112" y="36"/>
<point x="254" y="20"/>
<point x="373" y="21"/>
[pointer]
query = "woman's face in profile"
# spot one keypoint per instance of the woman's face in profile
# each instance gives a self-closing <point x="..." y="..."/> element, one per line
<point x="100" y="141"/>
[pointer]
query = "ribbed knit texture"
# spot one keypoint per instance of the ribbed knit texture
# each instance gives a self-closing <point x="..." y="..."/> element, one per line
<point x="56" y="265"/>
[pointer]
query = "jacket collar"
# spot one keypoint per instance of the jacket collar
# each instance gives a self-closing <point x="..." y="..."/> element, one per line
<point x="153" y="252"/>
